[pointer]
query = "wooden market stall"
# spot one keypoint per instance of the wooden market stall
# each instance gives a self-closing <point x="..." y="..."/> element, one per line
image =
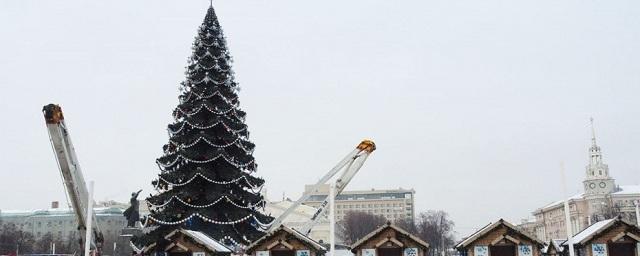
<point x="390" y="240"/>
<point x="500" y="239"/>
<point x="285" y="241"/>
<point x="554" y="248"/>
<point x="612" y="237"/>
<point x="183" y="242"/>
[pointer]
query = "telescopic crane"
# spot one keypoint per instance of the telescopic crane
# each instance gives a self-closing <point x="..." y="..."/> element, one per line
<point x="349" y="165"/>
<point x="71" y="173"/>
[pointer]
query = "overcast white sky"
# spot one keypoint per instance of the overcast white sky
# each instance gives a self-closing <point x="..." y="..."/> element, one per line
<point x="472" y="103"/>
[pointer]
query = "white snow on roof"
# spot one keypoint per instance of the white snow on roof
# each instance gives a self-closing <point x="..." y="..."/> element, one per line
<point x="343" y="253"/>
<point x="560" y="202"/>
<point x="292" y="231"/>
<point x="587" y="232"/>
<point x="628" y="189"/>
<point x="308" y="239"/>
<point x="206" y="241"/>
<point x="558" y="244"/>
<point x="624" y="190"/>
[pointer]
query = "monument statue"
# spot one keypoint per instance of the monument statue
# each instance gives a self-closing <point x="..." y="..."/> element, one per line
<point x="133" y="213"/>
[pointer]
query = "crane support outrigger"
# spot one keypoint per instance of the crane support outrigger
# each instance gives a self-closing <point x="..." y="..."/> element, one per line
<point x="71" y="173"/>
<point x="349" y="165"/>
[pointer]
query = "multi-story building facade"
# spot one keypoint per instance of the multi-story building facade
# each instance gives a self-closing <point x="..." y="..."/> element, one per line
<point x="602" y="198"/>
<point x="393" y="204"/>
<point x="61" y="222"/>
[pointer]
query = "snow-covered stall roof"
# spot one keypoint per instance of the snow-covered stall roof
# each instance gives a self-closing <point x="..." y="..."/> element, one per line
<point x="380" y="229"/>
<point x="294" y="232"/>
<point x="556" y="243"/>
<point x="486" y="229"/>
<point x="198" y="237"/>
<point x="590" y="232"/>
<point x="206" y="241"/>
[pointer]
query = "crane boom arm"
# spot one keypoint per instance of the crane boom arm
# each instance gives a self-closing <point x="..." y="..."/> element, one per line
<point x="344" y="179"/>
<point x="69" y="167"/>
<point x="353" y="161"/>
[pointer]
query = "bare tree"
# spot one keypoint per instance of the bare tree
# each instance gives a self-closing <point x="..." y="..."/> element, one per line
<point x="68" y="245"/>
<point x="14" y="240"/>
<point x="434" y="227"/>
<point x="43" y="244"/>
<point x="408" y="225"/>
<point x="356" y="225"/>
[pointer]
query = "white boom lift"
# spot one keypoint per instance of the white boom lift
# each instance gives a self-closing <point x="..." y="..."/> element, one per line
<point x="71" y="173"/>
<point x="350" y="165"/>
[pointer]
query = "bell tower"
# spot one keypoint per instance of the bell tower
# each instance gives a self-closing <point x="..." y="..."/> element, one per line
<point x="597" y="181"/>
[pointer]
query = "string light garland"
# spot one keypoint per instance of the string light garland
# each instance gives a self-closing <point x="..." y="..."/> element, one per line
<point x="264" y="224"/>
<point x="249" y="206"/>
<point x="204" y="96"/>
<point x="185" y="123"/>
<point x="203" y="105"/>
<point x="226" y="82"/>
<point x="207" y="53"/>
<point x="215" y="67"/>
<point x="231" y="109"/>
<point x="211" y="181"/>
<point x="135" y="248"/>
<point x="188" y="160"/>
<point x="225" y="238"/>
<point x="235" y="142"/>
<point x="202" y="217"/>
<point x="229" y="101"/>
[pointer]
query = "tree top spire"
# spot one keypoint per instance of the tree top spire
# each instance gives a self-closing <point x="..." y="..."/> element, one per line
<point x="211" y="13"/>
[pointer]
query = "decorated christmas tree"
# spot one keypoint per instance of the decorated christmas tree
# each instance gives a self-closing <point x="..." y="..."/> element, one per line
<point x="206" y="181"/>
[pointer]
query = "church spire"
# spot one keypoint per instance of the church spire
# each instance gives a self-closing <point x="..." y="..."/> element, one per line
<point x="593" y="134"/>
<point x="594" y="152"/>
<point x="597" y="180"/>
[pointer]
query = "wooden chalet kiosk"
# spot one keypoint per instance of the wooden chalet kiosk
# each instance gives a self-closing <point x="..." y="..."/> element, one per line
<point x="612" y="237"/>
<point x="554" y="248"/>
<point x="285" y="241"/>
<point x="390" y="240"/>
<point x="500" y="239"/>
<point x="188" y="243"/>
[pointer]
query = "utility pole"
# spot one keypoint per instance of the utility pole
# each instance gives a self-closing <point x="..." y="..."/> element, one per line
<point x="567" y="218"/>
<point x="87" y="241"/>
<point x="442" y="235"/>
<point x="332" y="219"/>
